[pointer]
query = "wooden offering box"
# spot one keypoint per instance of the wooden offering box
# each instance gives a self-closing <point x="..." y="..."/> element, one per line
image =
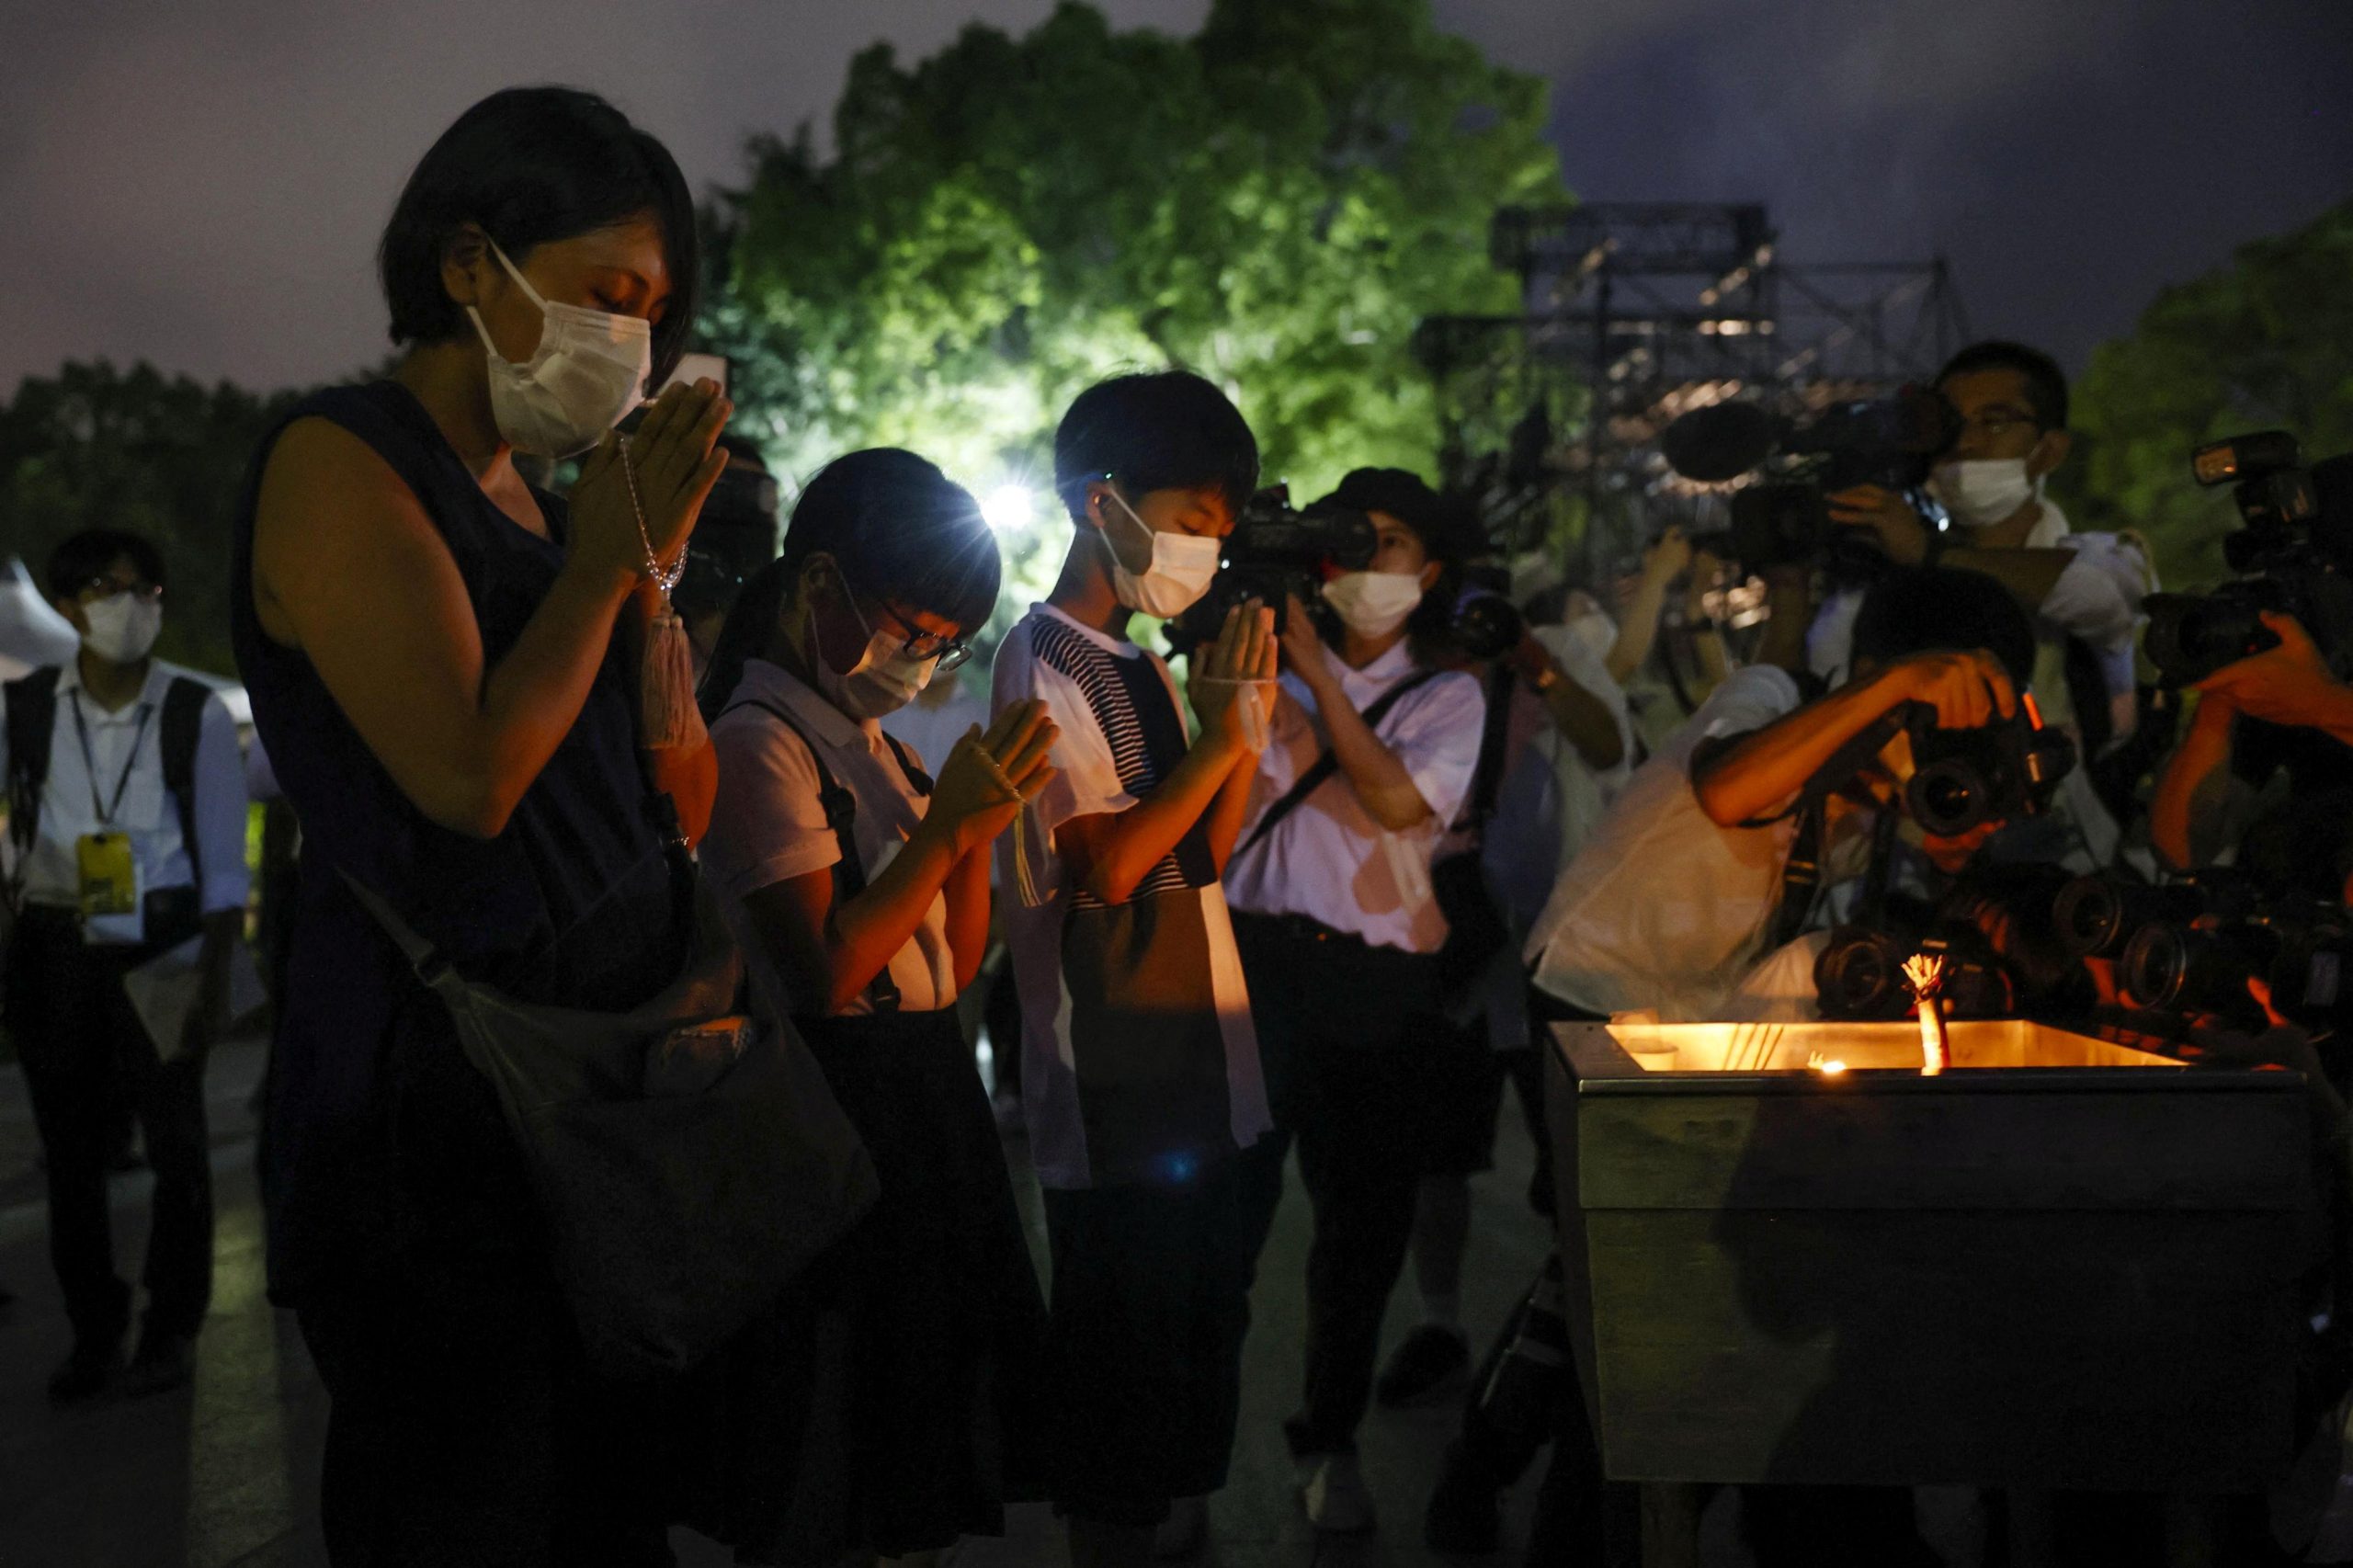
<point x="2061" y="1263"/>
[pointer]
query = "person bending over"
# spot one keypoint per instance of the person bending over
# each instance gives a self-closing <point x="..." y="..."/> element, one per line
<point x="2009" y="407"/>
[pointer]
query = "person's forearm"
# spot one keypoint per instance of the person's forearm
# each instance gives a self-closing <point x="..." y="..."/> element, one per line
<point x="967" y="915"/>
<point x="530" y="699"/>
<point x="2029" y="575"/>
<point x="1708" y="646"/>
<point x="1760" y="772"/>
<point x="1640" y="632"/>
<point x="2188" y="802"/>
<point x="1372" y="770"/>
<point x="867" y="930"/>
<point x="1232" y="805"/>
<point x="1584" y="720"/>
<point x="1114" y="851"/>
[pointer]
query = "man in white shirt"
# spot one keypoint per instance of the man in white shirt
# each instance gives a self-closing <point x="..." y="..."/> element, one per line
<point x="2011" y="405"/>
<point x="1669" y="906"/>
<point x="127" y="803"/>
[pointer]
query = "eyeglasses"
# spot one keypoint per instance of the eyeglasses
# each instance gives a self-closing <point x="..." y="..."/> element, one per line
<point x="1995" y="422"/>
<point x="917" y="643"/>
<point x="107" y="588"/>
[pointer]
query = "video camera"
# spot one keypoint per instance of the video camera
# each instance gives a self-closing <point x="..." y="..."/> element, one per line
<point x="1962" y="779"/>
<point x="1783" y="516"/>
<point x="1275" y="551"/>
<point x="2293" y="553"/>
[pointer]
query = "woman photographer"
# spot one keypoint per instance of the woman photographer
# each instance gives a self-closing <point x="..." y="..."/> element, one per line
<point x="864" y="885"/>
<point x="457" y="676"/>
<point x="1373" y="745"/>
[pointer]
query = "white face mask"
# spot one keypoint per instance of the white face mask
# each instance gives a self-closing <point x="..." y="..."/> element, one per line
<point x="1177" y="576"/>
<point x="1983" y="491"/>
<point x="589" y="371"/>
<point x="1374" y="604"/>
<point x="123" y="627"/>
<point x="884" y="679"/>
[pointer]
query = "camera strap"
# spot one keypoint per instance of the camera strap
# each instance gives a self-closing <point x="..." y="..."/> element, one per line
<point x="1320" y="771"/>
<point x="1802" y="873"/>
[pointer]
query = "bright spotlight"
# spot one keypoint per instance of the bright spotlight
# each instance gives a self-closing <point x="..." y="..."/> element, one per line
<point x="1007" y="507"/>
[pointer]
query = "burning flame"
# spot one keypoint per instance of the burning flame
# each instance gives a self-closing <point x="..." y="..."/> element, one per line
<point x="1925" y="973"/>
<point x="1828" y="1066"/>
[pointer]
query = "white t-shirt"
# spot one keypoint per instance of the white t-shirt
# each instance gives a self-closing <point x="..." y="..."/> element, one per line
<point x="1328" y="859"/>
<point x="768" y="825"/>
<point x="1664" y="909"/>
<point x="1139" y="1063"/>
<point x="126" y="794"/>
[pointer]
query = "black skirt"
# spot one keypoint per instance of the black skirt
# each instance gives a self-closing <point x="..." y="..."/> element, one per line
<point x="892" y="1402"/>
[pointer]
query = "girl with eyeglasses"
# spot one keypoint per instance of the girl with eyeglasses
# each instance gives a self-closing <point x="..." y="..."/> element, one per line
<point x="860" y="888"/>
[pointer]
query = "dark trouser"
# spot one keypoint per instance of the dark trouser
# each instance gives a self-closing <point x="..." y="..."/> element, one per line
<point x="1150" y="1303"/>
<point x="464" y="1430"/>
<point x="85" y="1056"/>
<point x="1346" y="1033"/>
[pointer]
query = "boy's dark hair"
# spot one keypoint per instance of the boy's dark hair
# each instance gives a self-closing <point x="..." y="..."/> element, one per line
<point x="898" y="527"/>
<point x="532" y="165"/>
<point x="1923" y="610"/>
<point x="2046" y="383"/>
<point x="87" y="554"/>
<point x="1155" y="430"/>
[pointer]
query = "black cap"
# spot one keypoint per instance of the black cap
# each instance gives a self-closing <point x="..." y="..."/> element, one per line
<point x="1445" y="526"/>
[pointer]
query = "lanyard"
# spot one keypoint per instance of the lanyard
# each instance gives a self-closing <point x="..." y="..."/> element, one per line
<point x="90" y="763"/>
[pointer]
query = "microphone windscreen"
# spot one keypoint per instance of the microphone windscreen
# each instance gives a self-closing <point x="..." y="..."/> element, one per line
<point x="1719" y="442"/>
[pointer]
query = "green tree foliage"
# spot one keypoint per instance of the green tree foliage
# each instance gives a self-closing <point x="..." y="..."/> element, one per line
<point x="2265" y="342"/>
<point x="1274" y="202"/>
<point x="95" y="447"/>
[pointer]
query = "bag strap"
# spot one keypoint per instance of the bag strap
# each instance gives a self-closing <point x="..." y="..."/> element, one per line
<point x="841" y="815"/>
<point x="183" y="727"/>
<point x="1487" y="777"/>
<point x="1802" y="873"/>
<point x="1321" y="771"/>
<point x="917" y="780"/>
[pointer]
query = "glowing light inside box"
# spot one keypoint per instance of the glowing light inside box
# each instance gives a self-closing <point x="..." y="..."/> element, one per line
<point x="1828" y="1066"/>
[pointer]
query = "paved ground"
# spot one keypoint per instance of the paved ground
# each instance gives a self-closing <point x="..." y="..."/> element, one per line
<point x="227" y="1474"/>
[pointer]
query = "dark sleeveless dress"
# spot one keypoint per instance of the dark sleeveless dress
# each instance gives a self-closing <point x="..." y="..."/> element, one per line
<point x="464" y="1425"/>
<point x="378" y="1134"/>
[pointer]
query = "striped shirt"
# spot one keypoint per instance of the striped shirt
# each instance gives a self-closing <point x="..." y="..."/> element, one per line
<point x="1139" y="1063"/>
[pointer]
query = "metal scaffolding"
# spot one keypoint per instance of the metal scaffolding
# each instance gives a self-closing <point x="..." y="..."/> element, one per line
<point x="1631" y="313"/>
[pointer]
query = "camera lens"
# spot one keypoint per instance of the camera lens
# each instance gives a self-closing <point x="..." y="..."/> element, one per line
<point x="2156" y="964"/>
<point x="2089" y="912"/>
<point x="1946" y="797"/>
<point x="1859" y="975"/>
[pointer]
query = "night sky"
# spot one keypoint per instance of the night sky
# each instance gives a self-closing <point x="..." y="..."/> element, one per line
<point x="201" y="186"/>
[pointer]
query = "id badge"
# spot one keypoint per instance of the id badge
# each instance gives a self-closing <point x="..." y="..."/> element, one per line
<point x="110" y="909"/>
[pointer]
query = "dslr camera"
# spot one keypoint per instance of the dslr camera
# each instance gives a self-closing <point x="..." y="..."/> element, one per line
<point x="2292" y="552"/>
<point x="1962" y="779"/>
<point x="1782" y="517"/>
<point x="1485" y="623"/>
